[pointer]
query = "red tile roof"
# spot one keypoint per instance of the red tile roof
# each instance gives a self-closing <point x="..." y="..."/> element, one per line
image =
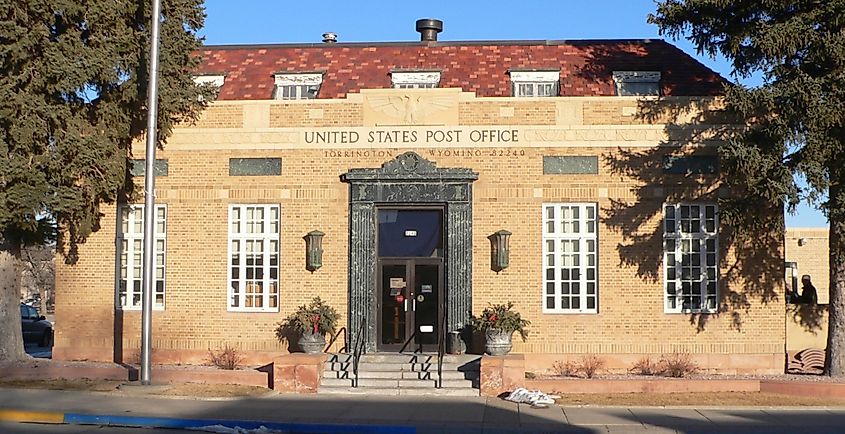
<point x="586" y="67"/>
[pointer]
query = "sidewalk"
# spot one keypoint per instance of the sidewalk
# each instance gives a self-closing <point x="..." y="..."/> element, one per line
<point x="399" y="414"/>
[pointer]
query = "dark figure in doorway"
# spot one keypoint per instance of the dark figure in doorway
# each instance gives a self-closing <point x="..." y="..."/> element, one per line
<point x="808" y="291"/>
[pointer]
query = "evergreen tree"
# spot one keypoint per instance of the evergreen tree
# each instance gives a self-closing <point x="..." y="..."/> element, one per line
<point x="795" y="119"/>
<point x="73" y="88"/>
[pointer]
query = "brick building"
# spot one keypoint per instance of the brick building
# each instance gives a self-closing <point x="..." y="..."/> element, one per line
<point x="410" y="157"/>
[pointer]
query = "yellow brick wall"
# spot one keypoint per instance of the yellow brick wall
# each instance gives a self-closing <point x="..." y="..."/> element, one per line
<point x="508" y="195"/>
<point x="315" y="115"/>
<point x="218" y="116"/>
<point x="507" y="113"/>
<point x="812" y="256"/>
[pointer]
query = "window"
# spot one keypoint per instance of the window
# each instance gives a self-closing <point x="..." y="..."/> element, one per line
<point x="130" y="254"/>
<point x="254" y="258"/>
<point x="535" y="83"/>
<point x="297" y="86"/>
<point x="415" y="80"/>
<point x="216" y="80"/>
<point x="636" y="83"/>
<point x="690" y="257"/>
<point x="570" y="253"/>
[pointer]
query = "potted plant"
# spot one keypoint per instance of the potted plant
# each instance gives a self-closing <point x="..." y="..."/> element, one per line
<point x="499" y="322"/>
<point x="313" y="322"/>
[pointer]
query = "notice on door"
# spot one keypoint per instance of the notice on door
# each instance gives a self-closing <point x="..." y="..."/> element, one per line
<point x="425" y="288"/>
<point x="397" y="283"/>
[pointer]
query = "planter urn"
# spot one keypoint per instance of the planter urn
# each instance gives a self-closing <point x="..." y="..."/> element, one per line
<point x="498" y="342"/>
<point x="312" y="343"/>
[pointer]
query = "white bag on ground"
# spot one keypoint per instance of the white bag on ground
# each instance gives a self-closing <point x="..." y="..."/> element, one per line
<point x="535" y="397"/>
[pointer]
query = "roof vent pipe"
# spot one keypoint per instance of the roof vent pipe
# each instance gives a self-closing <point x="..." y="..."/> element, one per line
<point x="329" y="37"/>
<point x="429" y="28"/>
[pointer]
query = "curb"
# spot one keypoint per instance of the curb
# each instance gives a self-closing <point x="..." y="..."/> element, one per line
<point x="21" y="416"/>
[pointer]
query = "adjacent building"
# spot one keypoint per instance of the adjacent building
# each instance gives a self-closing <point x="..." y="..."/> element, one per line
<point x="576" y="179"/>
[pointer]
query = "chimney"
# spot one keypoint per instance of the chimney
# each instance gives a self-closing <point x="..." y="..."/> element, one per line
<point x="329" y="38"/>
<point x="429" y="28"/>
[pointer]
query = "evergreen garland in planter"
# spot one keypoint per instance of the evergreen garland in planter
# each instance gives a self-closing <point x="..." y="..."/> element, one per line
<point x="312" y="322"/>
<point x="499" y="322"/>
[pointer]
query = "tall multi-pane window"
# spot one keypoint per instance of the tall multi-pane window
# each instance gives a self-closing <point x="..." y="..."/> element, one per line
<point x="570" y="255"/>
<point x="254" y="258"/>
<point x="690" y="257"/>
<point x="130" y="256"/>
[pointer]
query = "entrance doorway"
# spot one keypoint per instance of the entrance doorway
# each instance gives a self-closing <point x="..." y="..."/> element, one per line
<point x="410" y="278"/>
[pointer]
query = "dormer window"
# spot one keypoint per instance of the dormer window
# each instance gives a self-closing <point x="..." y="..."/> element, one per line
<point x="291" y="86"/>
<point x="415" y="80"/>
<point x="637" y="83"/>
<point x="535" y="83"/>
<point x="215" y="80"/>
<point x="212" y="79"/>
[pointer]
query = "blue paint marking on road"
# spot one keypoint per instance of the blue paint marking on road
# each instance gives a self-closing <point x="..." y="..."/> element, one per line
<point x="291" y="428"/>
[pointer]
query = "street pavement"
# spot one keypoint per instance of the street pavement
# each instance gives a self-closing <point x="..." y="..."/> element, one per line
<point x="400" y="414"/>
<point x="38" y="351"/>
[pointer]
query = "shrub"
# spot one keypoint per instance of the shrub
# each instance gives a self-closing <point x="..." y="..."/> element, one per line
<point x="645" y="366"/>
<point x="677" y="365"/>
<point x="317" y="318"/>
<point x="590" y="364"/>
<point x="501" y="317"/>
<point x="566" y="368"/>
<point x="225" y="358"/>
<point x="530" y="375"/>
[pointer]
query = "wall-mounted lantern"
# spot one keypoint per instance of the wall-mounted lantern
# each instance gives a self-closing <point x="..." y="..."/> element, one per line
<point x="314" y="250"/>
<point x="500" y="250"/>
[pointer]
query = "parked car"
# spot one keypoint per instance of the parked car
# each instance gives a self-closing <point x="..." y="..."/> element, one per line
<point x="35" y="327"/>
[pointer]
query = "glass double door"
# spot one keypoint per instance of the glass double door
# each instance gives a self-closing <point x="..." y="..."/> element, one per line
<point x="410" y="297"/>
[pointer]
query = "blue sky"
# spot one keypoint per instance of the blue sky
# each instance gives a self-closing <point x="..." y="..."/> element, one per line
<point x="266" y="21"/>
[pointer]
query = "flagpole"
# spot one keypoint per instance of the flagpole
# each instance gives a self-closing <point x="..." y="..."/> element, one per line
<point x="149" y="202"/>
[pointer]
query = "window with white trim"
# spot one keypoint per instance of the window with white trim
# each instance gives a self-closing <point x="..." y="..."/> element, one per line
<point x="535" y="83"/>
<point x="415" y="80"/>
<point x="636" y="83"/>
<point x="297" y="86"/>
<point x="570" y="255"/>
<point x="215" y="80"/>
<point x="130" y="256"/>
<point x="253" y="258"/>
<point x="690" y="258"/>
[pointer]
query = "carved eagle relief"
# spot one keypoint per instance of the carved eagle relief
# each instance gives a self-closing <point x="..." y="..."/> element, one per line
<point x="411" y="109"/>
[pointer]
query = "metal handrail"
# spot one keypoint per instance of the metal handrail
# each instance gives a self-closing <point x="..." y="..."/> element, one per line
<point x="334" y="338"/>
<point x="441" y="351"/>
<point x="359" y="350"/>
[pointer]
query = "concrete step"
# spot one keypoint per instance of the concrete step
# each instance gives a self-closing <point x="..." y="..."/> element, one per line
<point x="397" y="367"/>
<point x="398" y="358"/>
<point x="427" y="375"/>
<point x="396" y="383"/>
<point x="404" y="358"/>
<point x="396" y="391"/>
<point x="339" y="358"/>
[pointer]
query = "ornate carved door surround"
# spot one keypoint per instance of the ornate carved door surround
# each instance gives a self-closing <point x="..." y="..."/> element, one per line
<point x="408" y="179"/>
